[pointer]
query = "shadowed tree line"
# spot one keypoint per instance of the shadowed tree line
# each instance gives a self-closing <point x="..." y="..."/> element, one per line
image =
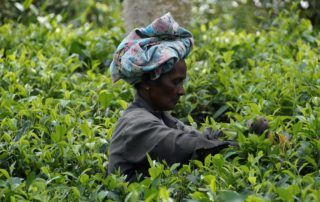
<point x="240" y="14"/>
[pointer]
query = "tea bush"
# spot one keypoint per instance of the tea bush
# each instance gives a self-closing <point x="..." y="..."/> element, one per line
<point x="97" y="12"/>
<point x="58" y="108"/>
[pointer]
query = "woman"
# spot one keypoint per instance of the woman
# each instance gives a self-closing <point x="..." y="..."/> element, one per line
<point x="152" y="60"/>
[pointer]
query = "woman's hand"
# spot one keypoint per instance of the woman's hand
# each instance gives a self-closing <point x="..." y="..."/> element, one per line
<point x="258" y="125"/>
<point x="213" y="134"/>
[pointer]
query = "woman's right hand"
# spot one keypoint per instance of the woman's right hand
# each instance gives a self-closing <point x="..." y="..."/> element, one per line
<point x="258" y="125"/>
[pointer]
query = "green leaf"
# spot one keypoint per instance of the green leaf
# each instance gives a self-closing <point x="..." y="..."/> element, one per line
<point x="19" y="6"/>
<point x="102" y="195"/>
<point x="5" y="173"/>
<point x="151" y="194"/>
<point x="84" y="178"/>
<point x="77" y="47"/>
<point x="211" y="180"/>
<point x="252" y="180"/>
<point x="284" y="194"/>
<point x="27" y="3"/>
<point x="199" y="196"/>
<point x="105" y="98"/>
<point x="30" y="178"/>
<point x="220" y="111"/>
<point x="6" y="137"/>
<point x="155" y="171"/>
<point x="76" y="192"/>
<point x="254" y="198"/>
<point x="123" y="104"/>
<point x="164" y="194"/>
<point x="227" y="56"/>
<point x="59" y="133"/>
<point x="190" y="119"/>
<point x="230" y="196"/>
<point x="174" y="166"/>
<point x="86" y="129"/>
<point x="218" y="161"/>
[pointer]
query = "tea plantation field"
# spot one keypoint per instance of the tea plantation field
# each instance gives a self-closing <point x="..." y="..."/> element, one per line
<point x="58" y="108"/>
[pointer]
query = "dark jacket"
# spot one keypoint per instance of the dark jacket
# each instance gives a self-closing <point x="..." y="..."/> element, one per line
<point x="141" y="131"/>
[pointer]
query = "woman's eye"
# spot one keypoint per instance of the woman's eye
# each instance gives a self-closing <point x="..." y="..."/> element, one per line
<point x="180" y="81"/>
<point x="177" y="81"/>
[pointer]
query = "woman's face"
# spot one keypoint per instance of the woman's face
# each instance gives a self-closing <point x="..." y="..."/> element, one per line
<point x="165" y="92"/>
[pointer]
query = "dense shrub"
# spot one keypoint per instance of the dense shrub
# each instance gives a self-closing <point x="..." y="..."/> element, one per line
<point x="58" y="108"/>
<point x="104" y="13"/>
<point x="253" y="15"/>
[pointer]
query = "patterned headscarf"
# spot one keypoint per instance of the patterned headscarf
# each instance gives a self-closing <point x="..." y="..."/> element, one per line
<point x="154" y="49"/>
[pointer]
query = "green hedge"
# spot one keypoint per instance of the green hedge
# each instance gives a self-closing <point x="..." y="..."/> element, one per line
<point x="58" y="108"/>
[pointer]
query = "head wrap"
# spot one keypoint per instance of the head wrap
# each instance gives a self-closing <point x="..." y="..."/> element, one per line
<point x="155" y="49"/>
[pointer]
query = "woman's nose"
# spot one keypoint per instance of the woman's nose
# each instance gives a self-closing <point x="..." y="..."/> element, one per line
<point x="181" y="90"/>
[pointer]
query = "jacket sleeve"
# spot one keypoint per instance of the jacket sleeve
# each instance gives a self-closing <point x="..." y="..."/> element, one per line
<point x="151" y="136"/>
<point x="209" y="133"/>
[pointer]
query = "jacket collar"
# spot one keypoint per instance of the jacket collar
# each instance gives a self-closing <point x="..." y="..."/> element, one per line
<point x="140" y="102"/>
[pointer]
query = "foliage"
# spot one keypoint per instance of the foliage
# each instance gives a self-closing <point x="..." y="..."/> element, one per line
<point x="260" y="67"/>
<point x="99" y="12"/>
<point x="58" y="108"/>
<point x="252" y="15"/>
<point x="249" y="15"/>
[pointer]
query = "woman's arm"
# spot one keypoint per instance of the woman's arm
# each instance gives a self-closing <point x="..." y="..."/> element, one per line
<point x="165" y="143"/>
